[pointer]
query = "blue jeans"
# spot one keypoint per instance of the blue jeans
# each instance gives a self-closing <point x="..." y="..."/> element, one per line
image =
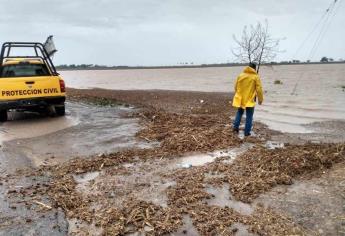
<point x="249" y="119"/>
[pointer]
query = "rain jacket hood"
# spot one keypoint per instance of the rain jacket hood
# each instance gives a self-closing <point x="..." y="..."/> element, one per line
<point x="247" y="88"/>
<point x="249" y="70"/>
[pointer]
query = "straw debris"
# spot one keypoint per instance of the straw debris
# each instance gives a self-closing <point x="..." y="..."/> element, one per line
<point x="178" y="132"/>
<point x="260" y="169"/>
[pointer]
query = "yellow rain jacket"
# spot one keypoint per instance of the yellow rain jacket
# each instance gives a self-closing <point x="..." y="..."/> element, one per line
<point x="247" y="88"/>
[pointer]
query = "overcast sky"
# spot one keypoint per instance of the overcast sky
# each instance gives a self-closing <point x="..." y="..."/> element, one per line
<point x="165" y="32"/>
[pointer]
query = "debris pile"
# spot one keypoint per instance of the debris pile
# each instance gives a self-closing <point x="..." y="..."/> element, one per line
<point x="189" y="188"/>
<point x="260" y="169"/>
<point x="267" y="222"/>
<point x="63" y="193"/>
<point x="190" y="195"/>
<point x="138" y="216"/>
<point x="180" y="133"/>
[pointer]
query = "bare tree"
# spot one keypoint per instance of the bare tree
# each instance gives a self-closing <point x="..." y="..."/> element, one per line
<point x="256" y="45"/>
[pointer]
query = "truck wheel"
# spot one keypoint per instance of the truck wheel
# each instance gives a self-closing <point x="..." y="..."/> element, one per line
<point x="3" y="116"/>
<point x="60" y="110"/>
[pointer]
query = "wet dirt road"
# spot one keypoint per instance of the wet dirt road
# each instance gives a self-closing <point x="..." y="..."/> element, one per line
<point x="31" y="140"/>
<point x="316" y="203"/>
<point x="88" y="130"/>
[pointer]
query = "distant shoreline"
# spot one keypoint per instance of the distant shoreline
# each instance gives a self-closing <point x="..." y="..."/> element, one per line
<point x="62" y="68"/>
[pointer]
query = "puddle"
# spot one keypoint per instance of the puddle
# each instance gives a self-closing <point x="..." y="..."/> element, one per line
<point x="274" y="144"/>
<point x="198" y="160"/>
<point x="29" y="125"/>
<point x="143" y="181"/>
<point x="83" y="180"/>
<point x="285" y="127"/>
<point x="202" y="159"/>
<point x="156" y="194"/>
<point x="222" y="198"/>
<point x="88" y="130"/>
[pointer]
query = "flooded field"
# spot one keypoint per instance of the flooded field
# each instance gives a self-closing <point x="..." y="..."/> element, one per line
<point x="305" y="94"/>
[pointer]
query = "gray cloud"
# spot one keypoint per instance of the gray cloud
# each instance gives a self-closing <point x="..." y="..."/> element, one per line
<point x="153" y="32"/>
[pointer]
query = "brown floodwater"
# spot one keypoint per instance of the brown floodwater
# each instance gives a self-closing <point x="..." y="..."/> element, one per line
<point x="29" y="139"/>
<point x="306" y="94"/>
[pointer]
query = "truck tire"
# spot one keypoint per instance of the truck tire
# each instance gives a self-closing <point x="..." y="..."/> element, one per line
<point x="60" y="110"/>
<point x="3" y="116"/>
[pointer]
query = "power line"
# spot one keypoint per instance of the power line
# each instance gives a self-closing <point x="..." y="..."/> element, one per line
<point x="324" y="29"/>
<point x="321" y="35"/>
<point x="314" y="29"/>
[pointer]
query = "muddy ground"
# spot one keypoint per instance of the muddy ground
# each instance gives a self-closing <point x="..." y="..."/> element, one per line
<point x="167" y="162"/>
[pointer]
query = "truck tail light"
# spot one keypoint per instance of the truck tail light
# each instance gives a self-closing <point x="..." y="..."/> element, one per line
<point x="62" y="86"/>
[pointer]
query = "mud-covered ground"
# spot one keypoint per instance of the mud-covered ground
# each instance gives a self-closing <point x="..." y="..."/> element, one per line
<point x="183" y="172"/>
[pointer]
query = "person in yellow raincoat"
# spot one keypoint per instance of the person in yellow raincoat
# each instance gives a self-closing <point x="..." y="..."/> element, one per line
<point x="248" y="88"/>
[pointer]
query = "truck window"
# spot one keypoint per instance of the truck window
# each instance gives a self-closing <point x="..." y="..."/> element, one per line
<point x="24" y="70"/>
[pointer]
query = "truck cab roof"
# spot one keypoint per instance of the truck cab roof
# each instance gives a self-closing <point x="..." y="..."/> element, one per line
<point x="39" y="56"/>
<point x="19" y="60"/>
